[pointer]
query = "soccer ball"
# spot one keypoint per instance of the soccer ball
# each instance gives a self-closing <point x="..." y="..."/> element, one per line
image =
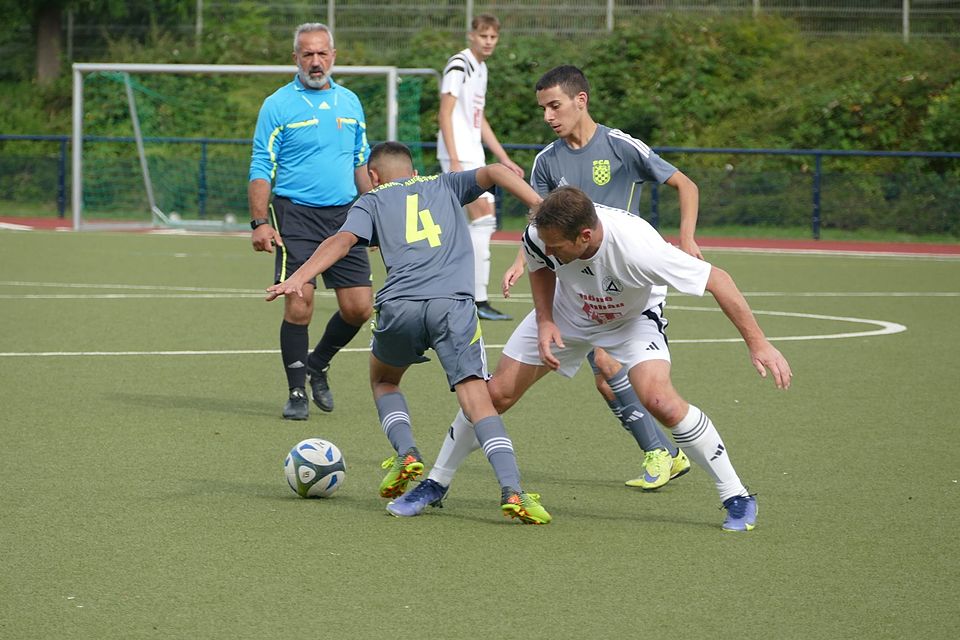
<point x="315" y="468"/>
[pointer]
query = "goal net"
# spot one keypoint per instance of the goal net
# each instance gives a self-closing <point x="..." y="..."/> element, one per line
<point x="168" y="145"/>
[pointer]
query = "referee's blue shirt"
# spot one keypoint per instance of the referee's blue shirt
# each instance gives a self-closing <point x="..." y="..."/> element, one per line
<point x="308" y="143"/>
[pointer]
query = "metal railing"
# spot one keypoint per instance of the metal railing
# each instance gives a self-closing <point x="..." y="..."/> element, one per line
<point x="816" y="174"/>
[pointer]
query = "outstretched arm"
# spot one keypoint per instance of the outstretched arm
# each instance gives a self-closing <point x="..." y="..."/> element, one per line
<point x="503" y="176"/>
<point x="763" y="355"/>
<point x="329" y="252"/>
<point x="689" y="196"/>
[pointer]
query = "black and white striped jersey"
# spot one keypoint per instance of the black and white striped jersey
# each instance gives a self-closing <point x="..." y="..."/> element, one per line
<point x="465" y="78"/>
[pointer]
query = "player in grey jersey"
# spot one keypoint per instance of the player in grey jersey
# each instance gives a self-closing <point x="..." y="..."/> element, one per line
<point x="610" y="167"/>
<point x="426" y="302"/>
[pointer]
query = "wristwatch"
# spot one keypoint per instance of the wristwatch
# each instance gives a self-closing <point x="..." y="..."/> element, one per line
<point x="256" y="222"/>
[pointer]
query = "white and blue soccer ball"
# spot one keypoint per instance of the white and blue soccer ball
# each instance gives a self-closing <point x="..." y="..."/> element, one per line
<point x="315" y="468"/>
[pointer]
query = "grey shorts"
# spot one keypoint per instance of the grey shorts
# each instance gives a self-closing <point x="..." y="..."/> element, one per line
<point x="405" y="329"/>
<point x="303" y="228"/>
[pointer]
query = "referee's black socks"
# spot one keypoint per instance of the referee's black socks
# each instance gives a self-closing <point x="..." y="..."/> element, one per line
<point x="294" y="346"/>
<point x="336" y="336"/>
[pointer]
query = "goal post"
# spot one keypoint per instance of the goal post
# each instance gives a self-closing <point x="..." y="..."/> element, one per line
<point x="122" y="72"/>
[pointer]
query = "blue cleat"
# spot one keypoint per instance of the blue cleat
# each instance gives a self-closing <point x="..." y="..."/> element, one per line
<point x="412" y="503"/>
<point x="741" y="513"/>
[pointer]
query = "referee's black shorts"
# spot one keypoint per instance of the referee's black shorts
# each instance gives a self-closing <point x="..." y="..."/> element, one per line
<point x="303" y="228"/>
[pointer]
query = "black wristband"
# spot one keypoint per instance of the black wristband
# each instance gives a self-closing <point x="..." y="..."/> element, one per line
<point x="256" y="222"/>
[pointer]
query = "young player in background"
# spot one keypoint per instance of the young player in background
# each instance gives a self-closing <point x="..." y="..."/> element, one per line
<point x="463" y="132"/>
<point x="426" y="302"/>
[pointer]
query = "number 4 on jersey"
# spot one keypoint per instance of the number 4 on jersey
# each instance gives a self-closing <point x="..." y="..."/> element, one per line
<point x="420" y="225"/>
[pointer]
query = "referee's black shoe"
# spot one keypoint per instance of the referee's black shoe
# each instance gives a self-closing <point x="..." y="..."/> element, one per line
<point x="297" y="407"/>
<point x="486" y="312"/>
<point x="322" y="396"/>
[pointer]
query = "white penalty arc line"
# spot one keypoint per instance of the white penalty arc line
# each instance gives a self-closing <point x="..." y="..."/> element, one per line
<point x="884" y="328"/>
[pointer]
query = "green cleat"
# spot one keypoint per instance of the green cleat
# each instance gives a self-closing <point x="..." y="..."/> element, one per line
<point x="403" y="469"/>
<point x="681" y="464"/>
<point x="525" y="506"/>
<point x="657" y="466"/>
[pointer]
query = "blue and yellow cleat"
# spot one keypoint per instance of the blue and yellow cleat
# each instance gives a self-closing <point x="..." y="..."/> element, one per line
<point x="657" y="470"/>
<point x="681" y="464"/>
<point x="428" y="493"/>
<point x="741" y="513"/>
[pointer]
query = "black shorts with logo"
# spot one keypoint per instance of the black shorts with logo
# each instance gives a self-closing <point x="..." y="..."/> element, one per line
<point x="303" y="228"/>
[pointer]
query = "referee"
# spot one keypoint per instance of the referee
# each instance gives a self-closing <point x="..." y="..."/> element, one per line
<point x="310" y="145"/>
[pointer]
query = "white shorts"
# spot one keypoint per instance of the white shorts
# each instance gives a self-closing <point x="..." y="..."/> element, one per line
<point x="467" y="166"/>
<point x="629" y="341"/>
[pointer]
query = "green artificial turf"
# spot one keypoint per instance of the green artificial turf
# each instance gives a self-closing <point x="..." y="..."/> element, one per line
<point x="142" y="492"/>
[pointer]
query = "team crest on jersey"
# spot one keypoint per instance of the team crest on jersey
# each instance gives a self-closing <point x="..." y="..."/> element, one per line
<point x="612" y="286"/>
<point x="601" y="172"/>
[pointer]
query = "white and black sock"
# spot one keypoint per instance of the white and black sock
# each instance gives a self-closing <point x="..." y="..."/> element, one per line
<point x="698" y="438"/>
<point x="460" y="442"/>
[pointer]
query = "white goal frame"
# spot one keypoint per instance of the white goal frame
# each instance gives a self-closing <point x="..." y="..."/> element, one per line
<point x="391" y="74"/>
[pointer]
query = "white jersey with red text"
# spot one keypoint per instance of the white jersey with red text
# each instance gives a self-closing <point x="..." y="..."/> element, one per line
<point x="627" y="276"/>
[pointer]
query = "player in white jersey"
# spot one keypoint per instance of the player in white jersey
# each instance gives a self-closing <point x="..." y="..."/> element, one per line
<point x="463" y="132"/>
<point x="598" y="277"/>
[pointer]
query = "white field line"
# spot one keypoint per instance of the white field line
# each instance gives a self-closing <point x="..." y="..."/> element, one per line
<point x="884" y="328"/>
<point x="217" y="292"/>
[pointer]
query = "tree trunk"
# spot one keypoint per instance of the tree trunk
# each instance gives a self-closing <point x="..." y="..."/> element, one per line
<point x="48" y="43"/>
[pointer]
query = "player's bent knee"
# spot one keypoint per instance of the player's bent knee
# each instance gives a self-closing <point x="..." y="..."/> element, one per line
<point x="501" y="397"/>
<point x="356" y="317"/>
<point x="667" y="408"/>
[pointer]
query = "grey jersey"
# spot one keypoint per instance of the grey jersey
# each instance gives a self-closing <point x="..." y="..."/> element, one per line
<point x="419" y="226"/>
<point x="610" y="169"/>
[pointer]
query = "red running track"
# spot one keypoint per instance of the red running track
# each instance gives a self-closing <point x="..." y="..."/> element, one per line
<point x="757" y="244"/>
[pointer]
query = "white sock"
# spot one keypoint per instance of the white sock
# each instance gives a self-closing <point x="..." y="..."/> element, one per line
<point x="460" y="442"/>
<point x="481" y="231"/>
<point x="698" y="438"/>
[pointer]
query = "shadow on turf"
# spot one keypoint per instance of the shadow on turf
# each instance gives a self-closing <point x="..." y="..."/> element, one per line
<point x="566" y="509"/>
<point x="204" y="404"/>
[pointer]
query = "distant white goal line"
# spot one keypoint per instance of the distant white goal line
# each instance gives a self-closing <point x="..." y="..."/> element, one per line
<point x="391" y="73"/>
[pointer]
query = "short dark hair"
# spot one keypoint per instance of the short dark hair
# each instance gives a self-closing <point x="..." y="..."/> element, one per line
<point x="569" y="78"/>
<point x="568" y="210"/>
<point x="390" y="150"/>
<point x="485" y="20"/>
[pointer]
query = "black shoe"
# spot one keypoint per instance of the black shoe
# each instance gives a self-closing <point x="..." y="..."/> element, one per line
<point x="322" y="396"/>
<point x="486" y="312"/>
<point x="297" y="407"/>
